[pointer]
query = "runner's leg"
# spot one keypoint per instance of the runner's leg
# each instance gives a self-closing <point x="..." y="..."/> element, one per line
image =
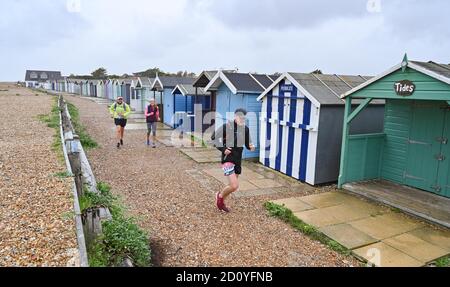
<point x="122" y="131"/>
<point x="119" y="133"/>
<point x="148" y="133"/>
<point x="154" y="134"/>
<point x="233" y="185"/>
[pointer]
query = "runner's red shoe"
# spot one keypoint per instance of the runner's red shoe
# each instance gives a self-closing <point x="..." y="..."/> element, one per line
<point x="219" y="201"/>
<point x="225" y="209"/>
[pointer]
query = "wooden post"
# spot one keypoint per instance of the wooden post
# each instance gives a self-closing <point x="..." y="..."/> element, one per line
<point x="345" y="134"/>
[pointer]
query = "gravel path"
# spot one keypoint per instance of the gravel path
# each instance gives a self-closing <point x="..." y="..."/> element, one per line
<point x="179" y="213"/>
<point x="36" y="226"/>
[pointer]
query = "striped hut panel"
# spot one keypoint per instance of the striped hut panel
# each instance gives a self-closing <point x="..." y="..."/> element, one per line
<point x="313" y="141"/>
<point x="288" y="144"/>
<point x="263" y="142"/>
<point x="274" y="133"/>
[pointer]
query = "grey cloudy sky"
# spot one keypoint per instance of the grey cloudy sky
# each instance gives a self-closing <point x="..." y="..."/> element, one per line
<point x="267" y="36"/>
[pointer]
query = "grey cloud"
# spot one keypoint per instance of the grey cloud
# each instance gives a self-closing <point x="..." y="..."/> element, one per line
<point x="281" y="14"/>
<point x="37" y="23"/>
<point x="417" y="19"/>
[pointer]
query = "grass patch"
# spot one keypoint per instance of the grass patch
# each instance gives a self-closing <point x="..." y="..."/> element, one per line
<point x="68" y="215"/>
<point x="395" y="210"/>
<point x="63" y="174"/>
<point x="86" y="141"/>
<point x="197" y="140"/>
<point x="443" y="262"/>
<point x="52" y="121"/>
<point x="121" y="238"/>
<point x="287" y="216"/>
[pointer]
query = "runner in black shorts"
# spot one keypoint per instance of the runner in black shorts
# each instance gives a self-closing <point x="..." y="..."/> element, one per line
<point x="121" y="122"/>
<point x="120" y="112"/>
<point x="230" y="139"/>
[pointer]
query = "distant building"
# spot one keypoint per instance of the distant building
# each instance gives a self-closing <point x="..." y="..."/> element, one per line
<point x="37" y="79"/>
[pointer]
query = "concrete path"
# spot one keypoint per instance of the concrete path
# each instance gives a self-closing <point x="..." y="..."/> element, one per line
<point x="374" y="233"/>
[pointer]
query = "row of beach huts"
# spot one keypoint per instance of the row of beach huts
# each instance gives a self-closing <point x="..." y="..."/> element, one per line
<point x="317" y="128"/>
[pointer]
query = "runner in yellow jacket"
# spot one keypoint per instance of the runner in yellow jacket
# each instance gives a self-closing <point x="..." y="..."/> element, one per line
<point x="120" y="112"/>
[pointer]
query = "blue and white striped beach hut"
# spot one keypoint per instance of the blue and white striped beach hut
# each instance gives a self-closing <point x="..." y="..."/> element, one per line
<point x="301" y="124"/>
<point x="239" y="90"/>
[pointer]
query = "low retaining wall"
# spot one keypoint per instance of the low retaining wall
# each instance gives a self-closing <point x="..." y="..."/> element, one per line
<point x="78" y="220"/>
<point x="88" y="223"/>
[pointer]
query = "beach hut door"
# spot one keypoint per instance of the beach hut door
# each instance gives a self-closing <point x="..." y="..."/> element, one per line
<point x="444" y="165"/>
<point x="426" y="157"/>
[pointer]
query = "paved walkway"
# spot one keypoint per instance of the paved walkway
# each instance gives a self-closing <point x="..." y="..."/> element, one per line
<point x="374" y="233"/>
<point x="173" y="198"/>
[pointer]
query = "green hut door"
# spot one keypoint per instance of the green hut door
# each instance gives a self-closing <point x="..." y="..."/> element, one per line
<point x="444" y="166"/>
<point x="428" y="165"/>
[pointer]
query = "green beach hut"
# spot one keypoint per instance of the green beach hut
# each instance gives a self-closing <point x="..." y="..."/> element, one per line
<point x="409" y="163"/>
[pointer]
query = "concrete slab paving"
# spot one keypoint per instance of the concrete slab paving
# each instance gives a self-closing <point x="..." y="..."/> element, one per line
<point x="348" y="236"/>
<point x="416" y="247"/>
<point x="328" y="199"/>
<point x="165" y="141"/>
<point x="245" y="185"/>
<point x="334" y="215"/>
<point x="294" y="204"/>
<point x="214" y="172"/>
<point x="433" y="235"/>
<point x="383" y="255"/>
<point x="373" y="209"/>
<point x="132" y="127"/>
<point x="254" y="193"/>
<point x="426" y="205"/>
<point x="370" y="229"/>
<point x="202" y="155"/>
<point x="251" y="175"/>
<point x="386" y="225"/>
<point x="318" y="218"/>
<point x="265" y="183"/>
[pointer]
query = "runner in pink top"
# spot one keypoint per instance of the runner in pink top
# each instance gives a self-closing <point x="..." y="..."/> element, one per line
<point x="152" y="117"/>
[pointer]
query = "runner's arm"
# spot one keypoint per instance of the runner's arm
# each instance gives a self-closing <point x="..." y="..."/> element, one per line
<point x="248" y="140"/>
<point x="217" y="138"/>
<point x="127" y="111"/>
<point x="111" y="110"/>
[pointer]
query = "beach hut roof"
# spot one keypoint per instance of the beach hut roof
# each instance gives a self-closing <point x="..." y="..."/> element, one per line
<point x="435" y="70"/>
<point x="189" y="90"/>
<point x="263" y="80"/>
<point x="204" y="78"/>
<point x="145" y="82"/>
<point x="171" y="82"/>
<point x="127" y="81"/>
<point x="322" y="89"/>
<point x="240" y="82"/>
